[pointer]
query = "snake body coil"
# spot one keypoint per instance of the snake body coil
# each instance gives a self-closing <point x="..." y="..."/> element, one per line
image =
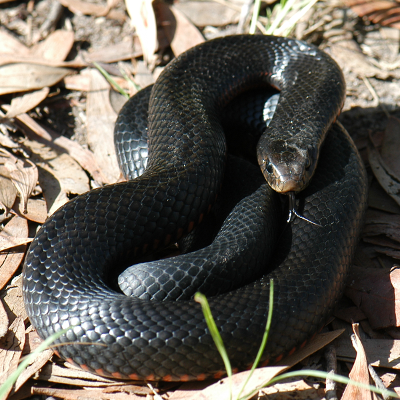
<point x="78" y="247"/>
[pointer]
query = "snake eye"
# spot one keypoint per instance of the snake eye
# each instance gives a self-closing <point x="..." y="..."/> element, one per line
<point x="307" y="164"/>
<point x="268" y="167"/>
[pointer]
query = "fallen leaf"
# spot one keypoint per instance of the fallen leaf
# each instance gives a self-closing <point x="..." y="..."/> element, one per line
<point x="359" y="373"/>
<point x="60" y="143"/>
<point x="377" y="293"/>
<point x="8" y="192"/>
<point x="10" y="260"/>
<point x="23" y="76"/>
<point x="10" y="242"/>
<point x="144" y="21"/>
<point x="10" y="45"/>
<point x="75" y="377"/>
<point x="25" y="103"/>
<point x="261" y="376"/>
<point x="180" y="31"/>
<point x="381" y="12"/>
<point x="11" y="350"/>
<point x="36" y="210"/>
<point x="82" y="7"/>
<point x="123" y="50"/>
<point x="390" y="146"/>
<point x="100" y="126"/>
<point x="56" y="46"/>
<point x="3" y="320"/>
<point x="387" y="179"/>
<point x="205" y="13"/>
<point x="13" y="300"/>
<point x="40" y="360"/>
<point x="24" y="175"/>
<point x="143" y="75"/>
<point x="350" y="57"/>
<point x="12" y="346"/>
<point x="6" y="141"/>
<point x="73" y="394"/>
<point x="379" y="222"/>
<point x="59" y="175"/>
<point x="380" y="200"/>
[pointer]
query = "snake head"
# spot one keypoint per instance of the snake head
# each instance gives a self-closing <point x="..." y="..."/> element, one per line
<point x="286" y="167"/>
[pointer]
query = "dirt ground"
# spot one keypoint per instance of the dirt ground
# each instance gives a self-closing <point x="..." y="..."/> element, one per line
<point x="367" y="52"/>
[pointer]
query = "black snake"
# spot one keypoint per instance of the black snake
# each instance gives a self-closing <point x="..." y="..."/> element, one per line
<point x="70" y="260"/>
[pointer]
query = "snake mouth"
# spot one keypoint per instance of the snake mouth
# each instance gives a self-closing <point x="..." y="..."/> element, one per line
<point x="285" y="178"/>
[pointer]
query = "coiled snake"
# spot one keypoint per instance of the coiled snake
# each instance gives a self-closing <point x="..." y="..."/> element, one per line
<point x="70" y="260"/>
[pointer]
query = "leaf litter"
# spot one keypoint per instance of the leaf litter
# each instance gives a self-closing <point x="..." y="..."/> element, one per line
<point x="41" y="168"/>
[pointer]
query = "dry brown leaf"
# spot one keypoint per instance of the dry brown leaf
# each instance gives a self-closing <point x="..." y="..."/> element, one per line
<point x="292" y="388"/>
<point x="59" y="175"/>
<point x="37" y="364"/>
<point x="383" y="12"/>
<point x="6" y="141"/>
<point x="10" y="45"/>
<point x="11" y="349"/>
<point x="359" y="373"/>
<point x="391" y="145"/>
<point x="82" y="7"/>
<point x="71" y="394"/>
<point x="58" y="142"/>
<point x="205" y="13"/>
<point x="23" y="76"/>
<point x="79" y="82"/>
<point x="100" y="126"/>
<point x="32" y="341"/>
<point x="181" y="33"/>
<point x="377" y="293"/>
<point x="24" y="175"/>
<point x="3" y="320"/>
<point x="8" y="191"/>
<point x="10" y="260"/>
<point x="384" y="175"/>
<point x="56" y="46"/>
<point x="380" y="223"/>
<point x="10" y="242"/>
<point x="123" y="50"/>
<point x="13" y="299"/>
<point x="144" y="21"/>
<point x="36" y="210"/>
<point x="380" y="200"/>
<point x="6" y="59"/>
<point x="350" y="57"/>
<point x="261" y="376"/>
<point x="73" y="376"/>
<point x="25" y="103"/>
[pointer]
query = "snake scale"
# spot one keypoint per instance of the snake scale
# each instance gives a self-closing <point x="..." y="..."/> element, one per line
<point x="73" y="255"/>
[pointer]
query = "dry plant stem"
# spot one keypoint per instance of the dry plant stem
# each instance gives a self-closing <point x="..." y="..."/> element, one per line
<point x="330" y="356"/>
<point x="375" y="96"/>
<point x="244" y="14"/>
<point x="56" y="11"/>
<point x="378" y="381"/>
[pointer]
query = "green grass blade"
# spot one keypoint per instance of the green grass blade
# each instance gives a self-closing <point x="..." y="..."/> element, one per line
<point x="110" y="80"/>
<point x="265" y="336"/>
<point x="5" y="387"/>
<point x="200" y="298"/>
<point x="254" y="18"/>
<point x="323" y="375"/>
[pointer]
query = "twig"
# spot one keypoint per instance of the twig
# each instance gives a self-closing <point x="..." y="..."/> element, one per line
<point x="378" y="381"/>
<point x="375" y="96"/>
<point x="330" y="356"/>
